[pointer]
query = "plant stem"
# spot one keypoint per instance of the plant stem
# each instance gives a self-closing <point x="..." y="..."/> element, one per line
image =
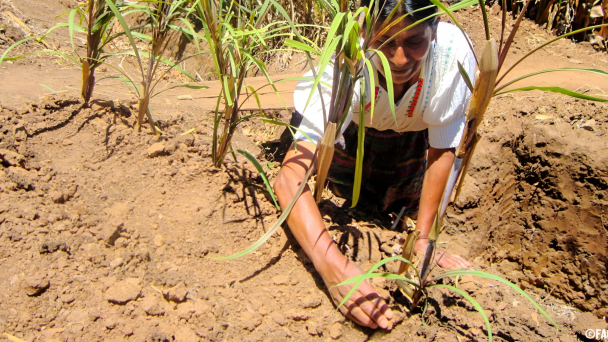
<point x="482" y="6"/>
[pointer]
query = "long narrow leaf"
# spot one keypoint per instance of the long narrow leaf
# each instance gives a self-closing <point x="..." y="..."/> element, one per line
<point x="189" y="86"/>
<point x="499" y="279"/>
<point x="451" y="15"/>
<point x="557" y="90"/>
<point x="127" y="31"/>
<point x="278" y="123"/>
<point x="262" y="174"/>
<point x="595" y="71"/>
<point x="545" y="44"/>
<point x="3" y="57"/>
<point x="71" y="27"/>
<point x="360" y="146"/>
<point x="465" y="76"/>
<point x="389" y="82"/>
<point x="279" y="221"/>
<point x="301" y="46"/>
<point x="472" y="301"/>
<point x="369" y="275"/>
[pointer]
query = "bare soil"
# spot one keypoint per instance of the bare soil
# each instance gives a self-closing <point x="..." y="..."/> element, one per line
<point x="106" y="233"/>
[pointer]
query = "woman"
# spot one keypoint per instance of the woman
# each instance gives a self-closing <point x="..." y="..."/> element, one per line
<point x="407" y="160"/>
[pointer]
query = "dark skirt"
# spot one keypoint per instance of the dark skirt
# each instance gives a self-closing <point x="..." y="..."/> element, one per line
<point x="393" y="168"/>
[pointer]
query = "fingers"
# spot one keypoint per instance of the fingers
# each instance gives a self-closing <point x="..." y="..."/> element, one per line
<point x="452" y="261"/>
<point x="369" y="308"/>
<point x="371" y="324"/>
<point x="351" y="310"/>
<point x="383" y="307"/>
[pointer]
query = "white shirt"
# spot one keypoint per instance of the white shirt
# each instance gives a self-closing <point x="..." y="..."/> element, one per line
<point x="440" y="107"/>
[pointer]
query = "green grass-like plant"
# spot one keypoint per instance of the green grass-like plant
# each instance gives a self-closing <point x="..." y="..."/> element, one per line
<point x="237" y="34"/>
<point x="95" y="20"/>
<point x="163" y="22"/>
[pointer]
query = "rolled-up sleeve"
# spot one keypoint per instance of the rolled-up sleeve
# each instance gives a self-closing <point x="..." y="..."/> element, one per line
<point x="312" y="110"/>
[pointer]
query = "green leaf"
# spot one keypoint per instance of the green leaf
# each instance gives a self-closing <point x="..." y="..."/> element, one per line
<point x="543" y="45"/>
<point x="47" y="87"/>
<point x="449" y="13"/>
<point x="462" y="4"/>
<point x="369" y="275"/>
<point x="499" y="279"/>
<point x="127" y="31"/>
<point x="327" y="52"/>
<point x="465" y="76"/>
<point x="3" y="57"/>
<point x="472" y="301"/>
<point x="278" y="223"/>
<point x="227" y="94"/>
<point x="595" y="71"/>
<point x="262" y="67"/>
<point x="71" y="27"/>
<point x="262" y="174"/>
<point x="189" y="86"/>
<point x="254" y="93"/>
<point x="389" y="82"/>
<point x="360" y="144"/>
<point x="324" y="60"/>
<point x="278" y="123"/>
<point x="300" y="46"/>
<point x="557" y="90"/>
<point x="372" y="87"/>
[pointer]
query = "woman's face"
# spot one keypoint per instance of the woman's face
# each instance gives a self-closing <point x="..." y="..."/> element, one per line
<point x="406" y="52"/>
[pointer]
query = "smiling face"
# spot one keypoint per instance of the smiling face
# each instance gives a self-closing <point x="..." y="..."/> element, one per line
<point x="406" y="52"/>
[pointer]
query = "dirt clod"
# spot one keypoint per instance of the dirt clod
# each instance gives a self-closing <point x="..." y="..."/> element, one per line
<point x="53" y="246"/>
<point x="123" y="292"/>
<point x="10" y="158"/>
<point x="310" y="301"/>
<point x="297" y="315"/>
<point x="177" y="293"/>
<point x="35" y="285"/>
<point x="313" y="328"/>
<point x="153" y="306"/>
<point x="156" y="150"/>
<point x="335" y="331"/>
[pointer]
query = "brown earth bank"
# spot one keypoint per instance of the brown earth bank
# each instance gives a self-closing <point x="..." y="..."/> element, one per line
<point x="106" y="233"/>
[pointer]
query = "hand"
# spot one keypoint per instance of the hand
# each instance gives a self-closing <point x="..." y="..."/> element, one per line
<point x="443" y="258"/>
<point x="365" y="307"/>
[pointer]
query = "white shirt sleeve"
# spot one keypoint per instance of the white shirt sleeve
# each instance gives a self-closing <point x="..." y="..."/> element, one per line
<point x="312" y="121"/>
<point x="446" y="113"/>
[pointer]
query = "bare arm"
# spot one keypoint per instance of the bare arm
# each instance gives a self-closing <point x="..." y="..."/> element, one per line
<point x="365" y="306"/>
<point x="439" y="163"/>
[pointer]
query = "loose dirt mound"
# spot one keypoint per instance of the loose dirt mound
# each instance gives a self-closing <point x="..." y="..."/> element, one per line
<point x="542" y="175"/>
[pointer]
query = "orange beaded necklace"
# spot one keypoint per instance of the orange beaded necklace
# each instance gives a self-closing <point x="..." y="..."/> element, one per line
<point x="414" y="101"/>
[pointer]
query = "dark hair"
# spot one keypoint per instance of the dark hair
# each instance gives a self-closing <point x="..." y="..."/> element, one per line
<point x="407" y="6"/>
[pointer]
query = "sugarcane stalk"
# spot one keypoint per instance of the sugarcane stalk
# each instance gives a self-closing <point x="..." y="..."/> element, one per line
<point x="86" y="73"/>
<point x="326" y="154"/>
<point x="481" y="97"/>
<point x="408" y="250"/>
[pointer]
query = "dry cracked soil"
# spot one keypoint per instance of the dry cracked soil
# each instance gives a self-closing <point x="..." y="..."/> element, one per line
<point x="107" y="234"/>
